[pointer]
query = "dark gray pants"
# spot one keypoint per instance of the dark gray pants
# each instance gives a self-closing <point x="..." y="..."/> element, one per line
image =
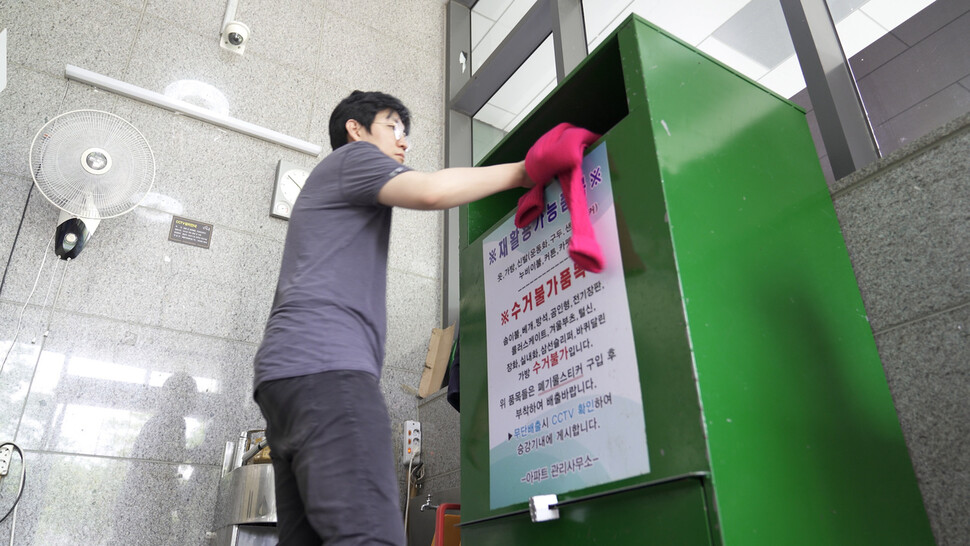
<point x="330" y="442"/>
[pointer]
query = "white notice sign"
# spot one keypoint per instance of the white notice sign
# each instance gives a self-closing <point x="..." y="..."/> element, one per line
<point x="564" y="405"/>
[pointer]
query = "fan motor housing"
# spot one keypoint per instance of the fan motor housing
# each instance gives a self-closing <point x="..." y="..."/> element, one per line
<point x="69" y="238"/>
<point x="96" y="160"/>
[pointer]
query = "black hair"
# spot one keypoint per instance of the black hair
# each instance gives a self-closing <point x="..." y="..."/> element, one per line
<point x="363" y="106"/>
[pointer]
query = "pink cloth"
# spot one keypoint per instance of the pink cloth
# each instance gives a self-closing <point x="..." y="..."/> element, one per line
<point x="559" y="153"/>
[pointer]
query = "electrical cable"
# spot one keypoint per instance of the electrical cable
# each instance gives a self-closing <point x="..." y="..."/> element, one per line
<point x="13" y="525"/>
<point x="16" y="237"/>
<point x="50" y="285"/>
<point x="20" y="318"/>
<point x="23" y="479"/>
<point x="24" y="308"/>
<point x="47" y="330"/>
<point x="407" y="489"/>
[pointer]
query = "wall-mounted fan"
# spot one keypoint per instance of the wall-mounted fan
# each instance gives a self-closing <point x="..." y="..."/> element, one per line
<point x="92" y="165"/>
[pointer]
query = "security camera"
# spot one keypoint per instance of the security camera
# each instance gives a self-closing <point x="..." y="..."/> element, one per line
<point x="234" y="37"/>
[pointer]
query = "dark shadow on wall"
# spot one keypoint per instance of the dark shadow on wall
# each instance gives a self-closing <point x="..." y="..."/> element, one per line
<point x="151" y="501"/>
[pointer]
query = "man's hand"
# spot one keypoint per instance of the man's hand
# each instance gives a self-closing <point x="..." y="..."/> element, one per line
<point x="525" y="182"/>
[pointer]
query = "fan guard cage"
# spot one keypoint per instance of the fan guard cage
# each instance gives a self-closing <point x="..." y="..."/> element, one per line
<point x="105" y="190"/>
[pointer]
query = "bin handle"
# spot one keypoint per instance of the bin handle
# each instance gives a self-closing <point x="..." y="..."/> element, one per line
<point x="439" y="523"/>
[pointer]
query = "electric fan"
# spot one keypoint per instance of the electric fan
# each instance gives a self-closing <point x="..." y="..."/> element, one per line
<point x="92" y="165"/>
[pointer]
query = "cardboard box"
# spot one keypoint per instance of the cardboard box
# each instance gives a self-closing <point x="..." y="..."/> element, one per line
<point x="436" y="364"/>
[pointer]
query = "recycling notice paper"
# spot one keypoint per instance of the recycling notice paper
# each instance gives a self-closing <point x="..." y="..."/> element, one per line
<point x="564" y="402"/>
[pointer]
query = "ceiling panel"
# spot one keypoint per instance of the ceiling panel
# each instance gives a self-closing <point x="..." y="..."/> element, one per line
<point x="786" y="79"/>
<point x="758" y="31"/>
<point x="748" y="35"/>
<point x="528" y="81"/>
<point x="693" y="20"/>
<point x="494" y="116"/>
<point x="892" y="13"/>
<point x="857" y="31"/>
<point x="733" y="58"/>
<point x="494" y="23"/>
<point x="480" y="25"/>
<point x="840" y="9"/>
<point x="491" y="9"/>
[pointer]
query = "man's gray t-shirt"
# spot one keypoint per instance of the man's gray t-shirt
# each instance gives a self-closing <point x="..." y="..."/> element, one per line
<point x="330" y="312"/>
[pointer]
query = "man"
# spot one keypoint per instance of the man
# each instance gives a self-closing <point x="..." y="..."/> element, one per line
<point x="317" y="370"/>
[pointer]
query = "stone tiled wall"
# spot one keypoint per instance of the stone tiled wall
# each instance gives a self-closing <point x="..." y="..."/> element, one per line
<point x="441" y="432"/>
<point x="120" y="448"/>
<point x="906" y="221"/>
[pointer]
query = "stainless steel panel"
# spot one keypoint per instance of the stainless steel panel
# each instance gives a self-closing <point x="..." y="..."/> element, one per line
<point x="246" y="496"/>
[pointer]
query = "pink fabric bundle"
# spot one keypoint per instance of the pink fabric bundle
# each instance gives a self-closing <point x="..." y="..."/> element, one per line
<point x="559" y="153"/>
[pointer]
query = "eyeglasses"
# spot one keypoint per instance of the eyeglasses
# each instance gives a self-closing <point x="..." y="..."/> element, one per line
<point x="399" y="131"/>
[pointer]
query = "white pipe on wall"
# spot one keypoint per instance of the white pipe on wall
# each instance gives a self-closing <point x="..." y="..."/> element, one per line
<point x="230" y="14"/>
<point x="3" y="59"/>
<point x="157" y="99"/>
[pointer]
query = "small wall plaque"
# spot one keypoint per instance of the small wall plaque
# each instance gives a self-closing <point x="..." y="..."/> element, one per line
<point x="190" y="232"/>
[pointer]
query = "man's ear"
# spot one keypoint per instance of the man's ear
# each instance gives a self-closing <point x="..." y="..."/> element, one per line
<point x="353" y="130"/>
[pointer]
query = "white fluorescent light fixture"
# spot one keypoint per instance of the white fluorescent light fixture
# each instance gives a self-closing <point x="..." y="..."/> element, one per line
<point x="157" y="99"/>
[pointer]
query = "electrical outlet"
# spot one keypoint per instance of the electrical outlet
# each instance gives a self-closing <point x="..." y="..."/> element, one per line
<point x="411" y="443"/>
<point x="6" y="452"/>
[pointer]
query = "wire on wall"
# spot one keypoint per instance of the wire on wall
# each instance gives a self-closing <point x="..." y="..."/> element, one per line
<point x="13" y="342"/>
<point x="20" y="318"/>
<point x="23" y="215"/>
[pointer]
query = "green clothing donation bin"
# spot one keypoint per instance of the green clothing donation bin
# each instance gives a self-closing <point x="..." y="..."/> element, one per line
<point x="718" y="382"/>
